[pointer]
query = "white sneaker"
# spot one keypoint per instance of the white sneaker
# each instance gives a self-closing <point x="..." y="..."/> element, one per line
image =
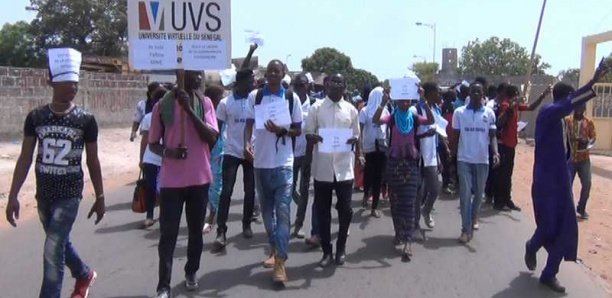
<point x="429" y="222"/>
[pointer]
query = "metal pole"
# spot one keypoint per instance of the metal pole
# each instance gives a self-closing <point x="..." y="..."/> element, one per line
<point x="434" y="43"/>
<point x="527" y="86"/>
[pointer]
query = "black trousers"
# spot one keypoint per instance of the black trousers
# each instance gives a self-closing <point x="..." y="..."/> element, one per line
<point x="323" y="201"/>
<point x="503" y="177"/>
<point x="372" y="174"/>
<point x="490" y="189"/>
<point x="230" y="168"/>
<point x="195" y="199"/>
<point x="301" y="168"/>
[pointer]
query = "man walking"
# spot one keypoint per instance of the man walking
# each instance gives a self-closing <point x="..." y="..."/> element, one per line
<point x="62" y="130"/>
<point x="476" y="130"/>
<point x="333" y="171"/>
<point x="557" y="229"/>
<point x="273" y="159"/>
<point x="233" y="111"/>
<point x="581" y="134"/>
<point x="507" y="125"/>
<point x="185" y="122"/>
<point x="301" y="164"/>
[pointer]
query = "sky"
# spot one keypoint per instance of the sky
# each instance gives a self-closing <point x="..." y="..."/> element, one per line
<point x="381" y="36"/>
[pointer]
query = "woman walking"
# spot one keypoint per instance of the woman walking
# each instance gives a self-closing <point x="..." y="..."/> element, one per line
<point x="402" y="170"/>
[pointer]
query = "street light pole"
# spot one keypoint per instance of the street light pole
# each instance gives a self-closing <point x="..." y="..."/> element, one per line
<point x="287" y="61"/>
<point x="433" y="28"/>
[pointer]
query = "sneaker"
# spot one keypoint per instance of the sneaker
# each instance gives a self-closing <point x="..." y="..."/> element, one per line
<point x="280" y="273"/>
<point x="298" y="233"/>
<point x="247" y="232"/>
<point x="220" y="241"/>
<point x="554" y="285"/>
<point x="148" y="222"/>
<point x="375" y="213"/>
<point x="429" y="222"/>
<point x="191" y="283"/>
<point x="82" y="285"/>
<point x="475" y="224"/>
<point x="207" y="228"/>
<point x="583" y="215"/>
<point x="513" y="207"/>
<point x="163" y="294"/>
<point x="313" y="241"/>
<point x="464" y="238"/>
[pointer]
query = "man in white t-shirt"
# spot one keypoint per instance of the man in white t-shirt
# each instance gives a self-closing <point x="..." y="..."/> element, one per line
<point x="476" y="130"/>
<point x="233" y="111"/>
<point x="273" y="162"/>
<point x="429" y="140"/>
<point x="301" y="164"/>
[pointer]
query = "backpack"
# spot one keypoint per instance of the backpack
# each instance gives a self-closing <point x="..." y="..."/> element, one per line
<point x="289" y="97"/>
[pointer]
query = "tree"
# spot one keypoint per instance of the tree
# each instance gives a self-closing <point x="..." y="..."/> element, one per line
<point x="497" y="56"/>
<point x="357" y="79"/>
<point x="331" y="61"/>
<point x="571" y="76"/>
<point x="95" y="27"/>
<point x="327" y="60"/>
<point x="425" y="71"/>
<point x="17" y="46"/>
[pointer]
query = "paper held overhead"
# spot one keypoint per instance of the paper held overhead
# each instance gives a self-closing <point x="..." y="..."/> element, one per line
<point x="404" y="88"/>
<point x="521" y="125"/>
<point x="255" y="37"/>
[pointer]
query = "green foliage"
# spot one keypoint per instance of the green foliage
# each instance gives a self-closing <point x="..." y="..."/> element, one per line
<point x="497" y="56"/>
<point x="331" y="61"/>
<point x="17" y="46"/>
<point x="425" y="71"/>
<point x="94" y="27"/>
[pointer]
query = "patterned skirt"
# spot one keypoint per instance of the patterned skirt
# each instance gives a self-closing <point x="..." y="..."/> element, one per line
<point x="402" y="176"/>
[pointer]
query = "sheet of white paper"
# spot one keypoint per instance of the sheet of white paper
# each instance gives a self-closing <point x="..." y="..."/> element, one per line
<point x="334" y="140"/>
<point x="522" y="125"/>
<point x="64" y="60"/>
<point x="277" y="111"/>
<point x="404" y="88"/>
<point x="204" y="55"/>
<point x="155" y="54"/>
<point x="441" y="125"/>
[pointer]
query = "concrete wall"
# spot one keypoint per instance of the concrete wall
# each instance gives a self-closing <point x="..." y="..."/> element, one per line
<point x="111" y="97"/>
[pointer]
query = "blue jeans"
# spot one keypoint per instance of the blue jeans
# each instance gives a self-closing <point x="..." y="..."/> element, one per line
<point x="583" y="169"/>
<point x="151" y="173"/>
<point x="57" y="218"/>
<point x="472" y="177"/>
<point x="274" y="189"/>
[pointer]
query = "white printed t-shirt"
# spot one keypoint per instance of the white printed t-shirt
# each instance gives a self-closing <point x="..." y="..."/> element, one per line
<point x="148" y="156"/>
<point x="270" y="154"/>
<point x="428" y="146"/>
<point x="371" y="131"/>
<point x="233" y="112"/>
<point x="474" y="128"/>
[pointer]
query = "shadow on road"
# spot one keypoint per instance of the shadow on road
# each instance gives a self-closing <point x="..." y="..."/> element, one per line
<point x="377" y="248"/>
<point x="526" y="285"/>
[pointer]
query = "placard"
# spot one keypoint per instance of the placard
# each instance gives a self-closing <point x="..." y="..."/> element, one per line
<point x="334" y="140"/>
<point x="404" y="88"/>
<point x="179" y="34"/>
<point x="277" y="112"/>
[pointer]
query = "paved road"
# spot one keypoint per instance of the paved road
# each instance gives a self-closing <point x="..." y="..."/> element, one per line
<point x="125" y="258"/>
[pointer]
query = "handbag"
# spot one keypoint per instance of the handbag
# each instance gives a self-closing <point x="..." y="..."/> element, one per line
<point x="139" y="204"/>
<point x="382" y="145"/>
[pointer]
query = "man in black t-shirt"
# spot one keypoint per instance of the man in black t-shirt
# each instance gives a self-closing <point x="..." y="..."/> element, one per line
<point x="62" y="131"/>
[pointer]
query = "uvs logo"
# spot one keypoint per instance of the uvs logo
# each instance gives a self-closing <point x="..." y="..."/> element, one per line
<point x="151" y="16"/>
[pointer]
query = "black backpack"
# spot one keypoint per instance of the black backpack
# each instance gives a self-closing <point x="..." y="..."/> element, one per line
<point x="289" y="97"/>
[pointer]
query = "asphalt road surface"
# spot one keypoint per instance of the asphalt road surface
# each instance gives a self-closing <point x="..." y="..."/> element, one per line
<point x="125" y="257"/>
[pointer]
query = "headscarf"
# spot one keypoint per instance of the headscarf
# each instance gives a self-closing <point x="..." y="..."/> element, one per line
<point x="374" y="100"/>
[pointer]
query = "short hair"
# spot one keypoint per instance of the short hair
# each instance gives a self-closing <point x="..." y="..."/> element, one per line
<point x="562" y="90"/>
<point x="492" y="91"/>
<point x="151" y="87"/>
<point x="214" y="92"/>
<point x="243" y="74"/>
<point x="429" y="87"/>
<point x="510" y="91"/>
<point x="464" y="90"/>
<point x="482" y="81"/>
<point x="501" y="87"/>
<point x="449" y="95"/>
<point x="301" y="77"/>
